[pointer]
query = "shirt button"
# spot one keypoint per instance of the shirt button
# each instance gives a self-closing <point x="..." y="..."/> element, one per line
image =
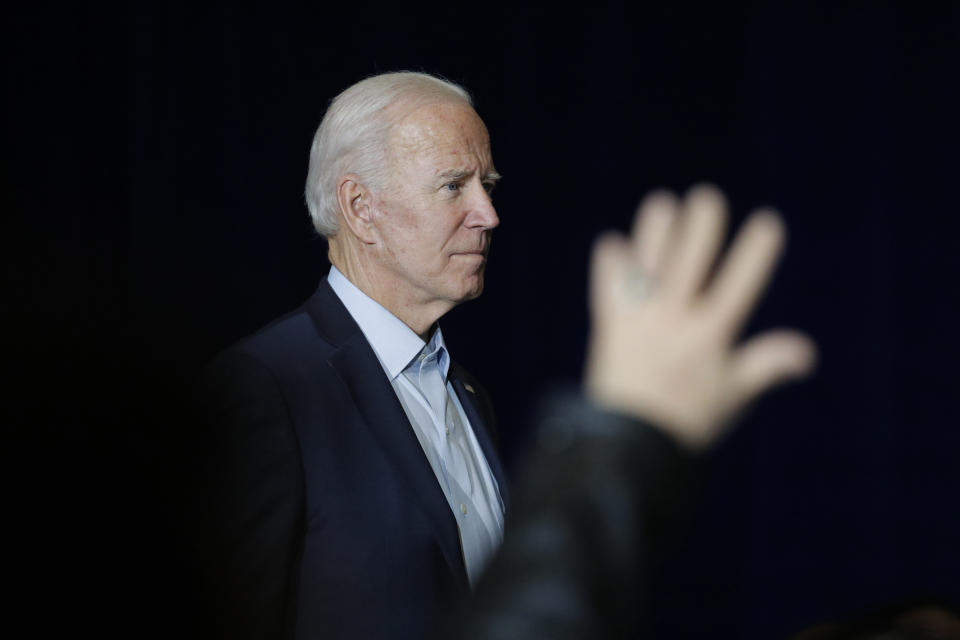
<point x="422" y="357"/>
<point x="448" y="429"/>
<point x="463" y="508"/>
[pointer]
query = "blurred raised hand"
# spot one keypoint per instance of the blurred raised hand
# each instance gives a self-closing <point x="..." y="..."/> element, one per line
<point x="666" y="323"/>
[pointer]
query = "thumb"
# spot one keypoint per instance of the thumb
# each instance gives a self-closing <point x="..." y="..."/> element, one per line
<point x="770" y="359"/>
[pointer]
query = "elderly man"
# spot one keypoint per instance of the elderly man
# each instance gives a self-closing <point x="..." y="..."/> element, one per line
<point x="362" y="484"/>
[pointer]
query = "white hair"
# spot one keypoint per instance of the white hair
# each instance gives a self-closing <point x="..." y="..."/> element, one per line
<point x="353" y="136"/>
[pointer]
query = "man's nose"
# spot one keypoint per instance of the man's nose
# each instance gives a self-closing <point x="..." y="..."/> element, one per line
<point x="482" y="212"/>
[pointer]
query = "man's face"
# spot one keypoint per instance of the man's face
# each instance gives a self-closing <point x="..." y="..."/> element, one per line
<point x="435" y="218"/>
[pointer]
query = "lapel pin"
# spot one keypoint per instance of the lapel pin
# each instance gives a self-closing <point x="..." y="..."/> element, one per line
<point x="468" y="388"/>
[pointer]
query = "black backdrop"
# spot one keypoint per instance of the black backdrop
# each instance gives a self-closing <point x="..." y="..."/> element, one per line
<point x="153" y="211"/>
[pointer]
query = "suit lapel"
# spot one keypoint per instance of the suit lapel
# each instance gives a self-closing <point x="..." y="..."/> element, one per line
<point x="469" y="400"/>
<point x="377" y="403"/>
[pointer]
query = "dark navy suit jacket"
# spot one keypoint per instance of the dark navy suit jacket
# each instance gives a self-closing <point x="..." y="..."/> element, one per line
<point x="329" y="521"/>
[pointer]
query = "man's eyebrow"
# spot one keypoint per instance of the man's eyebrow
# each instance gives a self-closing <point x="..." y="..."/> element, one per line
<point x="460" y="174"/>
<point x="454" y="174"/>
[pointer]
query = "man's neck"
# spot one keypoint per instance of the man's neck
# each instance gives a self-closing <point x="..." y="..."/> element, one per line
<point x="390" y="294"/>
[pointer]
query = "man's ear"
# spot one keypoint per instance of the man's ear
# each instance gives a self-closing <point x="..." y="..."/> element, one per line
<point x="354" y="199"/>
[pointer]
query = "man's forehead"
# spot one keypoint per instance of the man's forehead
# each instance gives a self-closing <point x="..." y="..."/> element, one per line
<point x="440" y="128"/>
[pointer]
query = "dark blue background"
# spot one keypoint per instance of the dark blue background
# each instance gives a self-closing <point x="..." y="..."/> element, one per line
<point x="153" y="214"/>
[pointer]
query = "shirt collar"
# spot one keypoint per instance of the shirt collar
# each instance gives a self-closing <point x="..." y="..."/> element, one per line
<point x="394" y="343"/>
<point x="443" y="358"/>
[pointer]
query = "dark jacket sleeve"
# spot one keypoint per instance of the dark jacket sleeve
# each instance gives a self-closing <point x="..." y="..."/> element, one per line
<point x="249" y="501"/>
<point x="599" y="502"/>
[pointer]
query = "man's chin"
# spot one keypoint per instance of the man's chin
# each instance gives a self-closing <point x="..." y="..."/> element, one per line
<point x="473" y="289"/>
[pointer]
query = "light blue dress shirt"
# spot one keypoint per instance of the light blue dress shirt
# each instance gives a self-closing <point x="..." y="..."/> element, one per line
<point x="418" y="373"/>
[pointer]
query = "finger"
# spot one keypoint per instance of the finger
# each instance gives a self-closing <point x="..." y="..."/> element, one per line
<point x="651" y="230"/>
<point x="770" y="359"/>
<point x="699" y="234"/>
<point x="608" y="265"/>
<point x="746" y="270"/>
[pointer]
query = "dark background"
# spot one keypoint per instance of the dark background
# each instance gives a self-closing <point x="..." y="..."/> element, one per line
<point x="153" y="214"/>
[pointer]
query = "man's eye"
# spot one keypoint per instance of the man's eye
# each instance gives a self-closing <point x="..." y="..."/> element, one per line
<point x="489" y="187"/>
<point x="452" y="186"/>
